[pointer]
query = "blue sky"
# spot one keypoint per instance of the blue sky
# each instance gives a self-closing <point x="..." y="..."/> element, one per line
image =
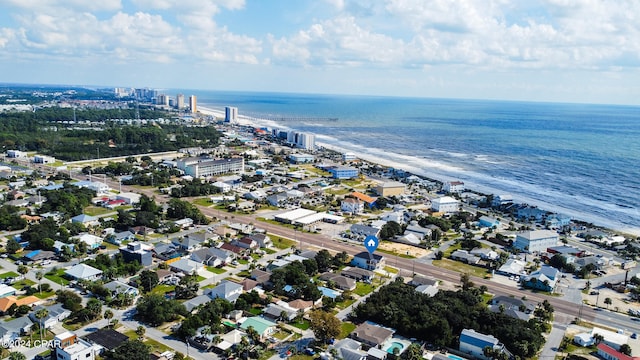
<point x="551" y="50"/>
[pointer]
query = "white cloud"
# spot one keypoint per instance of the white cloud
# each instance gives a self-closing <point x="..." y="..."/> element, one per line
<point x="77" y="5"/>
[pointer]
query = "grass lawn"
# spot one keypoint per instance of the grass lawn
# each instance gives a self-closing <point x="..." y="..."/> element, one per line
<point x="96" y="210"/>
<point x="201" y="278"/>
<point x="344" y="304"/>
<point x="162" y="289"/>
<point x="243" y="261"/>
<point x="346" y="329"/>
<point x="216" y="270"/>
<point x="401" y="255"/>
<point x="282" y="243"/>
<point x="341" y="191"/>
<point x="269" y="251"/>
<point x="363" y="289"/>
<point x="44" y="294"/>
<point x="304" y="325"/>
<point x="22" y="283"/>
<point x="390" y="269"/>
<point x="9" y="274"/>
<point x="255" y="311"/>
<point x="281" y="334"/>
<point x="202" y="202"/>
<point x="57" y="277"/>
<point x="460" y="267"/>
<point x="243" y="274"/>
<point x="267" y="355"/>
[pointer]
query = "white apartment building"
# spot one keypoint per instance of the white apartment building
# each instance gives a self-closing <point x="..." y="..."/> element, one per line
<point x="445" y="204"/>
<point x="351" y="205"/>
<point x="536" y="240"/>
<point x="453" y="187"/>
<point x="215" y="167"/>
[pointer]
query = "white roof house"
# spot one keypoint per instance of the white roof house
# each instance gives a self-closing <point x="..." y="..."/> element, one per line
<point x="187" y="266"/>
<point x="445" y="204"/>
<point x="91" y="240"/>
<point x="83" y="272"/>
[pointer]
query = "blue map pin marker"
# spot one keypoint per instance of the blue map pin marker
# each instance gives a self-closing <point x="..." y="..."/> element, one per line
<point x="371" y="243"/>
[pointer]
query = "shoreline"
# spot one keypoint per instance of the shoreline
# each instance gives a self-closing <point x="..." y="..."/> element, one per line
<point x="576" y="215"/>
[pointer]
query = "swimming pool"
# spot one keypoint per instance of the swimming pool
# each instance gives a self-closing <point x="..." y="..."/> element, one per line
<point x="395" y="345"/>
<point x="454" y="357"/>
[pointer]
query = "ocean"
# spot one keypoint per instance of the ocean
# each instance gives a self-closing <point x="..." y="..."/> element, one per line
<point x="578" y="159"/>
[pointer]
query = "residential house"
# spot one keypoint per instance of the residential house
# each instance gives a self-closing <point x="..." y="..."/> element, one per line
<point x="12" y="330"/>
<point x="265" y="328"/>
<point x="260" y="276"/>
<point x="186" y="266"/>
<point x="119" y="237"/>
<point x="371" y="334"/>
<point x="237" y="250"/>
<point x="69" y="347"/>
<point x="83" y="272"/>
<point x="137" y="251"/>
<point x="193" y="303"/>
<point x="474" y="343"/>
<point x="246" y="243"/>
<point x="106" y="339"/>
<point x="425" y="285"/>
<point x="92" y="241"/>
<point x="390" y="188"/>
<point x="364" y="230"/>
<point x="117" y="287"/>
<point x="465" y="257"/>
<point x="340" y="281"/>
<point x="227" y="290"/>
<point x="358" y="274"/>
<point x="485" y="254"/>
<point x="187" y="243"/>
<point x="263" y="240"/>
<point x="229" y="340"/>
<point x="352" y="206"/>
<point x="514" y="307"/>
<point x="544" y="279"/>
<point x="7" y="301"/>
<point x="86" y="220"/>
<point x="419" y="231"/>
<point x="37" y="256"/>
<point x="513" y="267"/>
<point x="349" y="349"/>
<point x="56" y="314"/>
<point x="6" y="290"/>
<point x="453" y="187"/>
<point x="277" y="311"/>
<point x="368" y="261"/>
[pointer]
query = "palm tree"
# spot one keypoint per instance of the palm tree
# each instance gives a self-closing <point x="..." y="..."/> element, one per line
<point x="607" y="302"/>
<point x="108" y="314"/>
<point x="39" y="276"/>
<point x="40" y="315"/>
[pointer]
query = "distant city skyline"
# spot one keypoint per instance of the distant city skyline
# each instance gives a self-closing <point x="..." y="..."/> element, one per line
<point x="543" y="50"/>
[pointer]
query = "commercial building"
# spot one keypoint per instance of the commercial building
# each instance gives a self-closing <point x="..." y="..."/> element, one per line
<point x="193" y="104"/>
<point x="180" y="101"/>
<point x="536" y="240"/>
<point x="344" y="172"/>
<point x="390" y="188"/>
<point x="230" y="114"/>
<point x="215" y="167"/>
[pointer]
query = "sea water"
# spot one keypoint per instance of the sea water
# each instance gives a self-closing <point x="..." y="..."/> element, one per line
<point x="577" y="159"/>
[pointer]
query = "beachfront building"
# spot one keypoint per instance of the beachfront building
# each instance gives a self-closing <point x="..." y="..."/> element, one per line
<point x="453" y="187"/>
<point x="502" y="199"/>
<point x="349" y="157"/>
<point x="180" y="101"/>
<point x="230" y="114"/>
<point x="445" y="205"/>
<point x="474" y="343"/>
<point x="390" y="188"/>
<point x="536" y="240"/>
<point x="215" y="167"/>
<point x="193" y="104"/>
<point x="301" y="158"/>
<point x="344" y="172"/>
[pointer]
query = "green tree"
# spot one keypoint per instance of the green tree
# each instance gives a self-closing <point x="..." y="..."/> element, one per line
<point x="41" y="314"/>
<point x="140" y="331"/>
<point x="148" y="280"/>
<point x="108" y="314"/>
<point x="16" y="355"/>
<point x="130" y="350"/>
<point x="607" y="301"/>
<point x="12" y="246"/>
<point x="325" y="325"/>
<point x="23" y="270"/>
<point x="625" y="349"/>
